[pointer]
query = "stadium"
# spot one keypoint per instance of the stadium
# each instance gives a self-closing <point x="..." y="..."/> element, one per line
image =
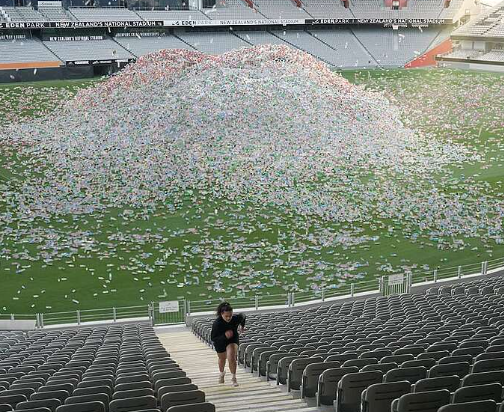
<point x="332" y="168"/>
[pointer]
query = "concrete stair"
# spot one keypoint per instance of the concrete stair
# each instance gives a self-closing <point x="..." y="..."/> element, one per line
<point x="199" y="361"/>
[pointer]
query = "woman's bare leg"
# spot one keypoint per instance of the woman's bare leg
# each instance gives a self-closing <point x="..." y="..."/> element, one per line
<point x="222" y="364"/>
<point x="232" y="350"/>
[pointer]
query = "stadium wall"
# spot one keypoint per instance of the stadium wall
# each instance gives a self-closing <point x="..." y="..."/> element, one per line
<point x="463" y="64"/>
<point x="51" y="73"/>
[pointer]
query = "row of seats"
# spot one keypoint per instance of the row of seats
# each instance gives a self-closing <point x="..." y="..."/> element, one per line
<point x="263" y="9"/>
<point x="339" y="48"/>
<point x="408" y="352"/>
<point x="114" y="369"/>
<point x="25" y="50"/>
<point x="488" y="24"/>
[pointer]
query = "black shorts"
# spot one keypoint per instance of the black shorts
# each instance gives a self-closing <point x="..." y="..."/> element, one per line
<point x="222" y="348"/>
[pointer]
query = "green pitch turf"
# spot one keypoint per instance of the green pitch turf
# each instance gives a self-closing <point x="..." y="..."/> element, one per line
<point x="204" y="248"/>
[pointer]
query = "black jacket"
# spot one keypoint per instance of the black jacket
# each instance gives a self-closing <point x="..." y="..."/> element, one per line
<point x="220" y="327"/>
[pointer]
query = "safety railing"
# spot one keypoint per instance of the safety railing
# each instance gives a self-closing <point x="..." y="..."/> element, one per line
<point x="154" y="313"/>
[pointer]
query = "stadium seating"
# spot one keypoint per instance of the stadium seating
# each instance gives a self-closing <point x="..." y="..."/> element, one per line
<point x="139" y="46"/>
<point x="24" y="51"/>
<point x="451" y="11"/>
<point x="173" y="15"/>
<point x="213" y="43"/>
<point x="17" y="14"/>
<point x="233" y="9"/>
<point x="88" y="50"/>
<point x="308" y="42"/>
<point x="392" y="48"/>
<point x="493" y="56"/>
<point x="465" y="54"/>
<point x="349" y="51"/>
<point x="327" y="9"/>
<point x="412" y="349"/>
<point x="488" y="24"/>
<point x="237" y="9"/>
<point x="103" y="14"/>
<point x="54" y="13"/>
<point x="260" y="37"/>
<point x="114" y="369"/>
<point x="280" y="9"/>
<point x="414" y="9"/>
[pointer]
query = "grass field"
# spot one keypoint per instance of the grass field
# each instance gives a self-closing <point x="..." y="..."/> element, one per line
<point x="205" y="248"/>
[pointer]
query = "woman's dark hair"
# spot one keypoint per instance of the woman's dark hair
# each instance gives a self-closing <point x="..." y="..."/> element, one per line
<point x="223" y="307"/>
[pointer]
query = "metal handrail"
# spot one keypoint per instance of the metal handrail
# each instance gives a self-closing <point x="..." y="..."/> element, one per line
<point x="282" y="300"/>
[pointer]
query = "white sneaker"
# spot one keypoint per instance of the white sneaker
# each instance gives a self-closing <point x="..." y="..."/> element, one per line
<point x="234" y="382"/>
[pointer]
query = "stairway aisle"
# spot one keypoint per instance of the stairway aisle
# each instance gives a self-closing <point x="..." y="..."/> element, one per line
<point x="199" y="361"/>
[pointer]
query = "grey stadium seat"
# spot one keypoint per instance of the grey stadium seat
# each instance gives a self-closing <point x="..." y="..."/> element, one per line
<point x="133" y="404"/>
<point x="181" y="398"/>
<point x="249" y="351"/>
<point x="132" y="385"/>
<point x="310" y="378"/>
<point x="491" y="391"/>
<point x="92" y="390"/>
<point x="62" y="386"/>
<point x="397" y="358"/>
<point x="412" y="375"/>
<point x="360" y="363"/>
<point x="422" y="401"/>
<point x="11" y="400"/>
<point x="20" y="391"/>
<point x="482" y="378"/>
<point x="452" y="383"/>
<point x="459" y="369"/>
<point x="436" y="355"/>
<point x="469" y="350"/>
<point x="194" y="407"/>
<point x="176" y="388"/>
<point x="156" y="377"/>
<point x="488" y="365"/>
<point x="38" y="410"/>
<point x="143" y="378"/>
<point x="489" y="355"/>
<point x="95" y="383"/>
<point x="171" y="382"/>
<point x="28" y="384"/>
<point x="51" y="404"/>
<point x="350" y="388"/>
<point x="149" y="410"/>
<point x="328" y="384"/>
<point x="132" y="393"/>
<point x="272" y="364"/>
<point x="412" y="350"/>
<point x="427" y="363"/>
<point x="379" y="396"/>
<point x="382" y="367"/>
<point x="94" y="406"/>
<point x="456" y="359"/>
<point x="478" y="406"/>
<point x="259" y="361"/>
<point x="296" y="369"/>
<point x="283" y="368"/>
<point x="95" y="397"/>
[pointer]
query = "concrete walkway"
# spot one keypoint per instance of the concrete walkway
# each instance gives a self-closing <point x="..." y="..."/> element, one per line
<point x="199" y="361"/>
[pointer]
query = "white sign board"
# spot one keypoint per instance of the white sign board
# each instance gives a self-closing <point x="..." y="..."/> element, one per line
<point x="17" y="324"/>
<point x="231" y="22"/>
<point x="169" y="306"/>
<point x="395" y="280"/>
<point x="46" y="3"/>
